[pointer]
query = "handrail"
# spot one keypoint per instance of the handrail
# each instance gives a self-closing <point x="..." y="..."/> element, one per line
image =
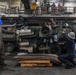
<point x="43" y="10"/>
<point x="40" y="10"/>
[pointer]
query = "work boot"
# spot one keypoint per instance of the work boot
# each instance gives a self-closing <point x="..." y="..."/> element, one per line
<point x="74" y="64"/>
<point x="68" y="67"/>
<point x="72" y="61"/>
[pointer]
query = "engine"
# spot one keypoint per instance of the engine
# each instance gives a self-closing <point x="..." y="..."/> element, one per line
<point x="34" y="39"/>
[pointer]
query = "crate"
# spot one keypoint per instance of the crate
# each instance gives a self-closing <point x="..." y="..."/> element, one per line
<point x="36" y="65"/>
<point x="32" y="60"/>
<point x="33" y="63"/>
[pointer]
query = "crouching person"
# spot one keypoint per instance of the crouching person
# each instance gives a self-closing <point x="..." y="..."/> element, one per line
<point x="67" y="58"/>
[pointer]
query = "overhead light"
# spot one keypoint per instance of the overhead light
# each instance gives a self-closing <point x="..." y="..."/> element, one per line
<point x="37" y="2"/>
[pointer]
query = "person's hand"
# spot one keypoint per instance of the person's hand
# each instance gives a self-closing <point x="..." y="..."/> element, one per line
<point x="64" y="30"/>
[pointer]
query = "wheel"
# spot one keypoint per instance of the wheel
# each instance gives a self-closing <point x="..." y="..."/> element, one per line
<point x="9" y="47"/>
<point x="45" y="30"/>
<point x="56" y="50"/>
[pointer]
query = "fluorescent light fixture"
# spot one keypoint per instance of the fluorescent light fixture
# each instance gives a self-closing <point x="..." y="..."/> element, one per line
<point x="37" y="2"/>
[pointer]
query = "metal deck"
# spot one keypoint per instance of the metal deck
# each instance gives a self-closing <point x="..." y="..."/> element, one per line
<point x="43" y="15"/>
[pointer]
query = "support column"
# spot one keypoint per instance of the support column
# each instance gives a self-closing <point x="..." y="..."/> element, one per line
<point x="63" y="2"/>
<point x="44" y="1"/>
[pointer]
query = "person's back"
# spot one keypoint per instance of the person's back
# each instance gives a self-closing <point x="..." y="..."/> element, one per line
<point x="48" y="6"/>
<point x="53" y="6"/>
<point x="53" y="9"/>
<point x="70" y="44"/>
<point x="60" y="9"/>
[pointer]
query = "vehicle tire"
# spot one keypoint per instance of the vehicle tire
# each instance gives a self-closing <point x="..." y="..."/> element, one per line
<point x="9" y="47"/>
<point x="56" y="50"/>
<point x="45" y="30"/>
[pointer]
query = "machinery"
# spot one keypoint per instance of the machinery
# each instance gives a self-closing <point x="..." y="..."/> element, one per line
<point x="10" y="42"/>
<point x="9" y="39"/>
<point x="32" y="39"/>
<point x="35" y="37"/>
<point x="32" y="36"/>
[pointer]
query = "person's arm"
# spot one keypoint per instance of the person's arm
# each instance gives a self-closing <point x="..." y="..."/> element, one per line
<point x="65" y="37"/>
<point x="53" y="22"/>
<point x="49" y="26"/>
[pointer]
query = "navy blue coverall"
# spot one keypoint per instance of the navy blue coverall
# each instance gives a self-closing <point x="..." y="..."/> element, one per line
<point x="67" y="59"/>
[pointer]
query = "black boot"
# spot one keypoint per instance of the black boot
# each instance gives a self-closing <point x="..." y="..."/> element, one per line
<point x="72" y="61"/>
<point x="68" y="67"/>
